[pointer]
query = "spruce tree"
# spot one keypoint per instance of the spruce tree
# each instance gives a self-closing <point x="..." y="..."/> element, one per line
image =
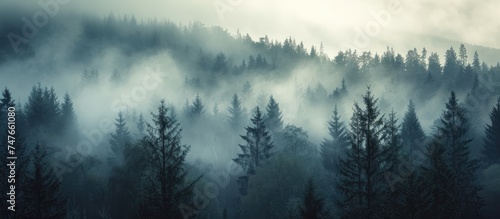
<point x="42" y="190"/>
<point x="412" y="134"/>
<point x="141" y="125"/>
<point x="273" y="117"/>
<point x="67" y="125"/>
<point x="312" y="205"/>
<point x="450" y="170"/>
<point x="166" y="185"/>
<point x="491" y="148"/>
<point x="120" y="138"/>
<point x="236" y="114"/>
<point x="337" y="144"/>
<point x="372" y="154"/>
<point x="197" y="108"/>
<point x="257" y="149"/>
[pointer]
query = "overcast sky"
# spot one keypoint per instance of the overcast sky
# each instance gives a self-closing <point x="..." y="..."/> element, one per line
<point x="336" y="23"/>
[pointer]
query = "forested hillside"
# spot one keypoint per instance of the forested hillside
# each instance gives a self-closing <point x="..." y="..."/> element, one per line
<point x="118" y="117"/>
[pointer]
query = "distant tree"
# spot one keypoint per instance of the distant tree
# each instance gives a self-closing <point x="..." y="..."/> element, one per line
<point x="257" y="149"/>
<point x="68" y="123"/>
<point x="120" y="139"/>
<point x="236" y="114"/>
<point x="491" y="148"/>
<point x="90" y="76"/>
<point x="220" y="64"/>
<point x="197" y="109"/>
<point x="116" y="77"/>
<point x="412" y="134"/>
<point x="337" y="144"/>
<point x="166" y="186"/>
<point x="247" y="88"/>
<point x="462" y="55"/>
<point x="273" y="117"/>
<point x="476" y="64"/>
<point x="451" y="65"/>
<point x="140" y="125"/>
<point x="42" y="190"/>
<point x="434" y="67"/>
<point x="312" y="205"/>
<point x="449" y="172"/>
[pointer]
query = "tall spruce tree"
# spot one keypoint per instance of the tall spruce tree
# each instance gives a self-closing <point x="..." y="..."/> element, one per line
<point x="236" y="114"/>
<point x="197" y="109"/>
<point x="273" y="117"/>
<point x="257" y="149"/>
<point x="68" y="124"/>
<point x="120" y="139"/>
<point x="337" y="143"/>
<point x="412" y="134"/>
<point x="361" y="173"/>
<point x="166" y="185"/>
<point x="491" y="148"/>
<point x="313" y="206"/>
<point x="43" y="198"/>
<point x="449" y="171"/>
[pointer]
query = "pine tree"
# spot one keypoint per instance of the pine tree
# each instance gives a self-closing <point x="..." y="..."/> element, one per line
<point x="120" y="138"/>
<point x="257" y="149"/>
<point x="412" y="134"/>
<point x="42" y="190"/>
<point x="450" y="171"/>
<point x="313" y="206"/>
<point x="491" y="148"/>
<point x="166" y="184"/>
<point x="336" y="146"/>
<point x="273" y="117"/>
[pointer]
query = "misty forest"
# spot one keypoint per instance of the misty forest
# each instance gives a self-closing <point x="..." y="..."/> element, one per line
<point x="118" y="117"/>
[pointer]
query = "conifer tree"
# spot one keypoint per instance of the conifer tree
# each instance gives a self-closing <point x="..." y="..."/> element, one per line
<point x="166" y="185"/>
<point x="312" y="205"/>
<point x="412" y="134"/>
<point x="68" y="124"/>
<point x="449" y="170"/>
<point x="197" y="109"/>
<point x="42" y="189"/>
<point x="371" y="154"/>
<point x="491" y="148"/>
<point x="236" y="114"/>
<point x="120" y="138"/>
<point x="141" y="125"/>
<point x="257" y="149"/>
<point x="273" y="117"/>
<point x="335" y="146"/>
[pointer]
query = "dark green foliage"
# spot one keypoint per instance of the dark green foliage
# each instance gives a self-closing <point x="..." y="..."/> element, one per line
<point x="236" y="114"/>
<point x="312" y="205"/>
<point x="165" y="187"/>
<point x="42" y="189"/>
<point x="449" y="171"/>
<point x="273" y="116"/>
<point x="361" y="172"/>
<point x="491" y="148"/>
<point x="120" y="139"/>
<point x="257" y="149"/>
<point x="412" y="134"/>
<point x="337" y="144"/>
<point x="196" y="110"/>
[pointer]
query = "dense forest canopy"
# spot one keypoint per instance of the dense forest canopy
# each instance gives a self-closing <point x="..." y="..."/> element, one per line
<point x="119" y="117"/>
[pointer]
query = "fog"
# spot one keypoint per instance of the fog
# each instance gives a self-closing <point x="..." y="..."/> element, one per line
<point x="147" y="51"/>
